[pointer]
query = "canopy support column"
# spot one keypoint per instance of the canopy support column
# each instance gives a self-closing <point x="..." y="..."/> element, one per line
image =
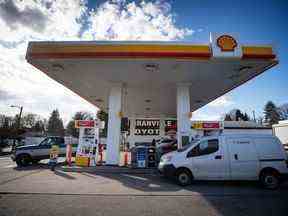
<point x="183" y="111"/>
<point x="114" y="124"/>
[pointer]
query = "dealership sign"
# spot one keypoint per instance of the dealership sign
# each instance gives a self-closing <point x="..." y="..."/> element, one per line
<point x="170" y="125"/>
<point x="147" y="127"/>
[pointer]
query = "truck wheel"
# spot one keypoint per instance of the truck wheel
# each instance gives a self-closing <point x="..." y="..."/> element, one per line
<point x="269" y="179"/>
<point x="35" y="162"/>
<point x="184" y="177"/>
<point x="23" y="160"/>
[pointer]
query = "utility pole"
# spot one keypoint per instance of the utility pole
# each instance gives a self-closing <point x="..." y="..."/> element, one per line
<point x="19" y="119"/>
<point x="18" y="122"/>
<point x="253" y="112"/>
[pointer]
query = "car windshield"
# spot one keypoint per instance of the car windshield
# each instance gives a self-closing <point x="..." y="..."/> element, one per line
<point x="47" y="141"/>
<point x="184" y="148"/>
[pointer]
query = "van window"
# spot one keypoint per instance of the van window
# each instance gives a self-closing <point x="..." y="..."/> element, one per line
<point x="204" y="147"/>
<point x="184" y="148"/>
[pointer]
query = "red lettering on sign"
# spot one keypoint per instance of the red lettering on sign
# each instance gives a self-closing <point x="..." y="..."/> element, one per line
<point x="211" y="125"/>
<point x="85" y="123"/>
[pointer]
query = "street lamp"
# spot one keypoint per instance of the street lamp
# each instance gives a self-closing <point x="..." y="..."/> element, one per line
<point x="18" y="121"/>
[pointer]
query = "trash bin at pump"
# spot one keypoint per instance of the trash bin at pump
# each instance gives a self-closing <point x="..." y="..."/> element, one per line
<point x="143" y="157"/>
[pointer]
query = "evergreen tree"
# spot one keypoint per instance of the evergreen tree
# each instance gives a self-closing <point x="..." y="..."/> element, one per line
<point x="245" y="117"/>
<point x="271" y="115"/>
<point x="227" y="118"/>
<point x="55" y="124"/>
<point x="283" y="111"/>
<point x="236" y="115"/>
<point x="239" y="115"/>
<point x="70" y="129"/>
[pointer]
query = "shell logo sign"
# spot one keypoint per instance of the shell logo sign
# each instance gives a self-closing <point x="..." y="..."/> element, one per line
<point x="226" y="43"/>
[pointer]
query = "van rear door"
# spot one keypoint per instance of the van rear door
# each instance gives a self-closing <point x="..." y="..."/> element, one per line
<point x="244" y="163"/>
<point x="269" y="148"/>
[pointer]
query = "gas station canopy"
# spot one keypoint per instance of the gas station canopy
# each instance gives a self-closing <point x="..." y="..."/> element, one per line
<point x="150" y="79"/>
<point x="149" y="71"/>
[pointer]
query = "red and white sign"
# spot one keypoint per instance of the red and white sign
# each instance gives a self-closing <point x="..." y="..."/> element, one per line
<point x="84" y="123"/>
<point x="89" y="124"/>
<point x="212" y="125"/>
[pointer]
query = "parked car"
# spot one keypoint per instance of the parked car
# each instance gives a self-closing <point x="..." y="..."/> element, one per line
<point x="166" y="145"/>
<point x="25" y="155"/>
<point x="228" y="157"/>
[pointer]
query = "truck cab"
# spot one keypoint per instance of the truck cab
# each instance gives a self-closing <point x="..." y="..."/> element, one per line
<point x="25" y="155"/>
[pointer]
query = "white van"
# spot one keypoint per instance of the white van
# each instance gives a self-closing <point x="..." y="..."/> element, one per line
<point x="228" y="157"/>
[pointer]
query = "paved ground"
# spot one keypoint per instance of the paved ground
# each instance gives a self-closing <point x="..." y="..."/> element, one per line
<point x="39" y="191"/>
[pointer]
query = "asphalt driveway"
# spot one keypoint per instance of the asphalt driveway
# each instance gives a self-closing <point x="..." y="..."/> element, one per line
<point x="37" y="190"/>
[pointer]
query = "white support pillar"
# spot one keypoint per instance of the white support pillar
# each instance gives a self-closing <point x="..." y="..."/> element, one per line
<point x="114" y="123"/>
<point x="183" y="111"/>
<point x="162" y="127"/>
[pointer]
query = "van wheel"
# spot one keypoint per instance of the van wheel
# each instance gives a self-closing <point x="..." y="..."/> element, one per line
<point x="269" y="180"/>
<point x="23" y="160"/>
<point x="184" y="177"/>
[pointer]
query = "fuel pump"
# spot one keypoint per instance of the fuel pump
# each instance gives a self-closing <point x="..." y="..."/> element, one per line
<point x="87" y="150"/>
<point x="87" y="145"/>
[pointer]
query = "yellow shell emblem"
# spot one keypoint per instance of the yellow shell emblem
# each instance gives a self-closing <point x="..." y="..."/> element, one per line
<point x="226" y="43"/>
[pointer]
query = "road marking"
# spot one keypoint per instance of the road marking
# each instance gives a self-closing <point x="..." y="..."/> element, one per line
<point x="10" y="166"/>
<point x="135" y="177"/>
<point x="5" y="158"/>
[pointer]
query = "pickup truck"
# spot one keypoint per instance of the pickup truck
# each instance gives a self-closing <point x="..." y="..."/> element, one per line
<point x="28" y="154"/>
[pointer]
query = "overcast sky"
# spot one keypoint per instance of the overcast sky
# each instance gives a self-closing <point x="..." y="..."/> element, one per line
<point x="23" y="21"/>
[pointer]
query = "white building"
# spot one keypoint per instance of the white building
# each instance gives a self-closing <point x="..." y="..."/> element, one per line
<point x="230" y="127"/>
<point x="281" y="131"/>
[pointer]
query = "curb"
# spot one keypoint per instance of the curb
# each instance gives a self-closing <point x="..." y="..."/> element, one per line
<point x="108" y="170"/>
